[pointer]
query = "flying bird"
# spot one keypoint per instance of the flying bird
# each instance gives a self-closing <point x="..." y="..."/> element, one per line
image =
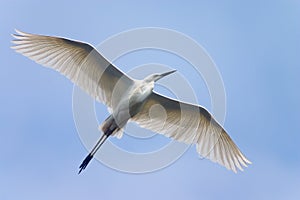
<point x="129" y="99"/>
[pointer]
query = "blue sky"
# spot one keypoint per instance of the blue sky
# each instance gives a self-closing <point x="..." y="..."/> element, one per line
<point x="256" y="47"/>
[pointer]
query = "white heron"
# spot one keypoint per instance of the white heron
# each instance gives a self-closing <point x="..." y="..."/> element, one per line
<point x="131" y="100"/>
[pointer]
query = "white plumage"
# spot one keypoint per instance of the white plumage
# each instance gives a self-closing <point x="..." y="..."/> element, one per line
<point x="131" y="100"/>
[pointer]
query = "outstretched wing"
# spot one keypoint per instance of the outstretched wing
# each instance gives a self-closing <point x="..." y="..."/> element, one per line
<point x="193" y="125"/>
<point x="78" y="61"/>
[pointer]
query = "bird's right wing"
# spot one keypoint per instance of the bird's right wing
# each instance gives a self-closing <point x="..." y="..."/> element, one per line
<point x="78" y="61"/>
<point x="191" y="124"/>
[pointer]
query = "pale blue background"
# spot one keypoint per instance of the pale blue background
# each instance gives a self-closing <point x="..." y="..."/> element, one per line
<point x="256" y="47"/>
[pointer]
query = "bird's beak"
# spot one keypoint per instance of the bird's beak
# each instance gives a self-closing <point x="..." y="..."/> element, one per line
<point x="166" y="74"/>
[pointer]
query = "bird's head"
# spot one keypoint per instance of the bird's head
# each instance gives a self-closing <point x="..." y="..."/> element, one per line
<point x="156" y="77"/>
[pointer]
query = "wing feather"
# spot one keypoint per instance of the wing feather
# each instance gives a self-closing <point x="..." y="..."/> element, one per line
<point x="191" y="124"/>
<point x="78" y="61"/>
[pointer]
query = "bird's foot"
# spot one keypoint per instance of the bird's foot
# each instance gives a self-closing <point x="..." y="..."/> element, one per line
<point x="85" y="162"/>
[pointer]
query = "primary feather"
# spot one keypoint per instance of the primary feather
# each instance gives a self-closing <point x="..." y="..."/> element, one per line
<point x="191" y="124"/>
<point x="78" y="61"/>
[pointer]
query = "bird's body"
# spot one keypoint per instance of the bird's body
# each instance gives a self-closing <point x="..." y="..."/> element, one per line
<point x="131" y="100"/>
<point x="131" y="103"/>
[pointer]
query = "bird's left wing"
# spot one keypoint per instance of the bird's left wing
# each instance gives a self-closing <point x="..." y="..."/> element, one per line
<point x="191" y="124"/>
<point x="78" y="61"/>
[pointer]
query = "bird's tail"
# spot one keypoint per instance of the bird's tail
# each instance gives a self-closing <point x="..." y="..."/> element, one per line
<point x="89" y="157"/>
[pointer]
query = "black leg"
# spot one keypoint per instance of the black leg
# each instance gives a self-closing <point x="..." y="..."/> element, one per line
<point x="85" y="162"/>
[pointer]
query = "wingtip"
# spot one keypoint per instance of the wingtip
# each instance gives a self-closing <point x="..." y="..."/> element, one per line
<point x="21" y="32"/>
<point x="248" y="162"/>
<point x="18" y="32"/>
<point x="13" y="35"/>
<point x="17" y="37"/>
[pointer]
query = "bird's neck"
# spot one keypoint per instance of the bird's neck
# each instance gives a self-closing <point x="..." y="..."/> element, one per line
<point x="139" y="93"/>
<point x="142" y="91"/>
